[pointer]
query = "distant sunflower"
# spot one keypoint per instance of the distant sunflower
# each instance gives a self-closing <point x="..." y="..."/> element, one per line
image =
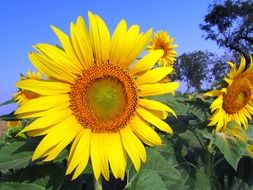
<point x="11" y="124"/>
<point x="161" y="40"/>
<point x="234" y="102"/>
<point x="23" y="95"/>
<point x="95" y="97"/>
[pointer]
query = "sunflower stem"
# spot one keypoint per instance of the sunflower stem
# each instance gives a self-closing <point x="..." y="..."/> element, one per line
<point x="98" y="184"/>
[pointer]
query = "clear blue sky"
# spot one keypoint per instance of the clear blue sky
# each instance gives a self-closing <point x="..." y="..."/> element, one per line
<point x="27" y="22"/>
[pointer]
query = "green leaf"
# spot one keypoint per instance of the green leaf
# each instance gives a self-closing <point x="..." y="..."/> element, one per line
<point x="201" y="181"/>
<point x="44" y="176"/>
<point x="249" y="132"/>
<point x="232" y="143"/>
<point x="8" y="117"/>
<point x="235" y="183"/>
<point x="158" y="164"/>
<point x="18" y="186"/>
<point x="7" y="102"/>
<point x="148" y="180"/>
<point x="16" y="155"/>
<point x="156" y="173"/>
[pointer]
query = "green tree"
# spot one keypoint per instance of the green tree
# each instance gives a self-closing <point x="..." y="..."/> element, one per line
<point x="193" y="68"/>
<point x="230" y="24"/>
<point x="220" y="68"/>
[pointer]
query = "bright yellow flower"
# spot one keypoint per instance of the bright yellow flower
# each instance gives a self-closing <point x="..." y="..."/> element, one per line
<point x="161" y="40"/>
<point x="23" y="95"/>
<point x="234" y="102"/>
<point x="95" y="97"/>
<point x="11" y="124"/>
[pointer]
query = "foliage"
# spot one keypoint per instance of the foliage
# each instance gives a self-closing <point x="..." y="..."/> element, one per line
<point x="230" y="24"/>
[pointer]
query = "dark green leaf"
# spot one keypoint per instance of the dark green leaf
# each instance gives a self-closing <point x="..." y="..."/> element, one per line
<point x="201" y="181"/>
<point x="16" y="155"/>
<point x="18" y="186"/>
<point x="232" y="143"/>
<point x="45" y="176"/>
<point x="158" y="168"/>
<point x="148" y="179"/>
<point x="7" y="102"/>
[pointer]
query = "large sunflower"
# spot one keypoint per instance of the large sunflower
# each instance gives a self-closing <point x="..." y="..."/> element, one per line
<point x="22" y="95"/>
<point x="94" y="96"/>
<point x="162" y="40"/>
<point x="234" y="102"/>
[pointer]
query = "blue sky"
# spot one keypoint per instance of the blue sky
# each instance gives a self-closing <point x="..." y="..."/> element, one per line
<point x="25" y="23"/>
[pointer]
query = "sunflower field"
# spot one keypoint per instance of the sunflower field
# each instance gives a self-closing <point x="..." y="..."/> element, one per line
<point x="101" y="111"/>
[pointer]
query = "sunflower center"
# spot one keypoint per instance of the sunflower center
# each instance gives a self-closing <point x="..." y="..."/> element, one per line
<point x="104" y="98"/>
<point x="238" y="95"/>
<point x="162" y="46"/>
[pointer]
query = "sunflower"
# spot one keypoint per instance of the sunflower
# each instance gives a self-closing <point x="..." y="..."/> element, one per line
<point x="11" y="124"/>
<point x="161" y="40"/>
<point x="234" y="102"/>
<point x="93" y="97"/>
<point x="23" y="95"/>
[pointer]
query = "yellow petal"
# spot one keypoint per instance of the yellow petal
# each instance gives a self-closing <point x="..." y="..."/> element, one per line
<point x="57" y="134"/>
<point x="147" y="62"/>
<point x="133" y="146"/>
<point x="242" y="65"/>
<point x="243" y="118"/>
<point x="53" y="153"/>
<point x="47" y="67"/>
<point x="42" y="103"/>
<point x="59" y="58"/>
<point x="159" y="114"/>
<point x="44" y="87"/>
<point x="220" y="120"/>
<point x="68" y="48"/>
<point x="39" y="132"/>
<point x="115" y="154"/>
<point x="84" y="42"/>
<point x="217" y="103"/>
<point x="163" y="126"/>
<point x="131" y="39"/>
<point x="95" y="150"/>
<point x="157" y="89"/>
<point x="100" y="38"/>
<point x="42" y="113"/>
<point x="76" y="47"/>
<point x="154" y="75"/>
<point x="104" y="159"/>
<point x="155" y="105"/>
<point x="47" y="121"/>
<point x="118" y="41"/>
<point x="79" y="153"/>
<point x="213" y="93"/>
<point x="140" y="45"/>
<point x="145" y="132"/>
<point x="249" y="108"/>
<point x="247" y="114"/>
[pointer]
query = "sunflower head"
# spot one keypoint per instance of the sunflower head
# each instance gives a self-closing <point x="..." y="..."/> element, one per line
<point x="23" y="95"/>
<point x="94" y="97"/>
<point x="162" y="40"/>
<point x="11" y="124"/>
<point x="235" y="101"/>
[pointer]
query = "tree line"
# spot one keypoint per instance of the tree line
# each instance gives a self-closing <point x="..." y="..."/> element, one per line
<point x="230" y="24"/>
